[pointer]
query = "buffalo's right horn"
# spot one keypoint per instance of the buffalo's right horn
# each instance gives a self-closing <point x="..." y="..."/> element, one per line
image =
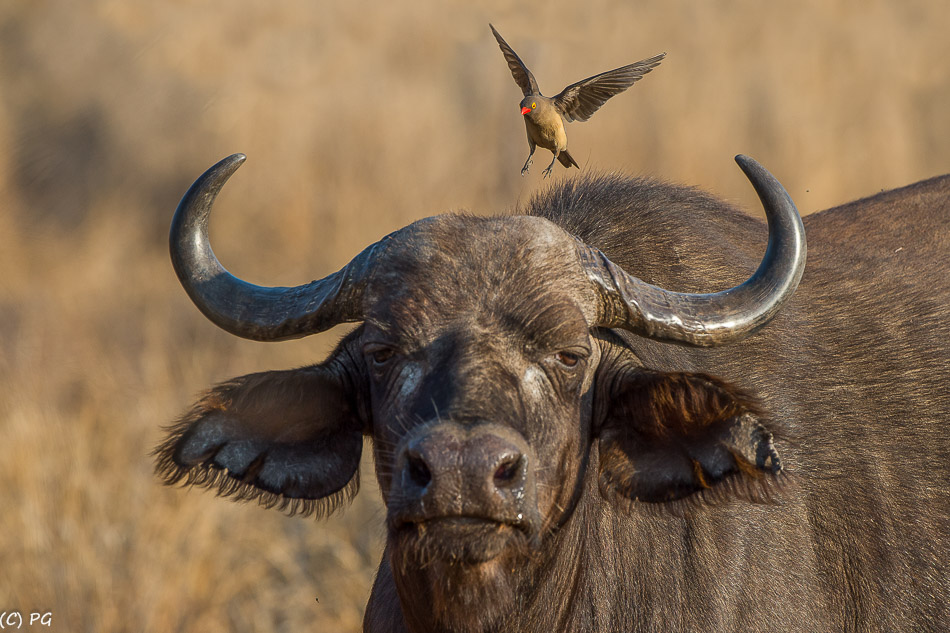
<point x="705" y="320"/>
<point x="257" y="312"/>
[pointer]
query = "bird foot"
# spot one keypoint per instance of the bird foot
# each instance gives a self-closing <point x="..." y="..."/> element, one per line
<point x="524" y="169"/>
<point x="546" y="172"/>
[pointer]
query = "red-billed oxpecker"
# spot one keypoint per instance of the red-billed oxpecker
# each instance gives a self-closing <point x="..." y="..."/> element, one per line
<point x="544" y="117"/>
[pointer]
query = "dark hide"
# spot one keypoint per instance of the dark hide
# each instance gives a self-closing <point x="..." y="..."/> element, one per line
<point x="795" y="481"/>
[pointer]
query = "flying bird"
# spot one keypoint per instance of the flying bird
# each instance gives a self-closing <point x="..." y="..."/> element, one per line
<point x="544" y="117"/>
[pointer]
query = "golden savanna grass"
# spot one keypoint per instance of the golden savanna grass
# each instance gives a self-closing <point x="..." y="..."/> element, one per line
<point x="357" y="118"/>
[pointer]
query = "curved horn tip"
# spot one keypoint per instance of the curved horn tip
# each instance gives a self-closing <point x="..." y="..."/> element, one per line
<point x="770" y="190"/>
<point x="227" y="166"/>
<point x="747" y="163"/>
<point x="212" y="180"/>
<point x="208" y="184"/>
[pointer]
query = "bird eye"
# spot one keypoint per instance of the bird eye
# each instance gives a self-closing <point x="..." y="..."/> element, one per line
<point x="534" y="105"/>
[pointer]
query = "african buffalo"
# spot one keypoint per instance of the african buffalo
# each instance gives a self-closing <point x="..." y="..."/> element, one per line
<point x="562" y="446"/>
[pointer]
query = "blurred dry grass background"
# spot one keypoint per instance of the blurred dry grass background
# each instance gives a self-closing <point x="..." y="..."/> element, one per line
<point x="357" y="118"/>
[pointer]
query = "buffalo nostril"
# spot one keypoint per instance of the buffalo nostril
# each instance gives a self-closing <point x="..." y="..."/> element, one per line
<point x="508" y="471"/>
<point x="418" y="470"/>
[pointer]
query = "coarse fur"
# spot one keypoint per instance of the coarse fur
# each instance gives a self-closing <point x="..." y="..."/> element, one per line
<point x="794" y="481"/>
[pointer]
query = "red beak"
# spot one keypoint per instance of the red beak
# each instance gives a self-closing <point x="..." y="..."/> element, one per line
<point x="525" y="110"/>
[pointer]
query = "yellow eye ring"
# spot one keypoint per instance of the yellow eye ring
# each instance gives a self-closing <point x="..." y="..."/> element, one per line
<point x="533" y="106"/>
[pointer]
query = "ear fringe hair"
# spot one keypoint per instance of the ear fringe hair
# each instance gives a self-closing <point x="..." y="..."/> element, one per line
<point x="208" y="475"/>
<point x="681" y="402"/>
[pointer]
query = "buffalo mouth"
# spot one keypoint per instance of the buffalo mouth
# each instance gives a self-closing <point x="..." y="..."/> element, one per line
<point x="463" y="540"/>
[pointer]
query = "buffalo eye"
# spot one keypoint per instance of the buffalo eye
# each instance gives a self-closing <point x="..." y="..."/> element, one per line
<point x="379" y="354"/>
<point x="568" y="359"/>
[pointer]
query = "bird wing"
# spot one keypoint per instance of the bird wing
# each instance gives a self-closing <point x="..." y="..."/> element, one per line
<point x="519" y="71"/>
<point x="579" y="101"/>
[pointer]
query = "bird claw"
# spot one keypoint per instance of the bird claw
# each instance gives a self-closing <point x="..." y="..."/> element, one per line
<point x="524" y="169"/>
<point x="546" y="172"/>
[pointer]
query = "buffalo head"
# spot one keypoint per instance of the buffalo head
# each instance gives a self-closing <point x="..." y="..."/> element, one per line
<point x="490" y="372"/>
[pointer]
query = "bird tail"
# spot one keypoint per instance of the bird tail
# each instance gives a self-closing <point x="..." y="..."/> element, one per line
<point x="567" y="160"/>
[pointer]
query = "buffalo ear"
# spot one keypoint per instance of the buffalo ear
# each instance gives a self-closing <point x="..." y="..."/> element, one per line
<point x="669" y="436"/>
<point x="290" y="439"/>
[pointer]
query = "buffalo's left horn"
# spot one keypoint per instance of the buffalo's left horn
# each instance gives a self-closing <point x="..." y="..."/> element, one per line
<point x="241" y="308"/>
<point x="705" y="320"/>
